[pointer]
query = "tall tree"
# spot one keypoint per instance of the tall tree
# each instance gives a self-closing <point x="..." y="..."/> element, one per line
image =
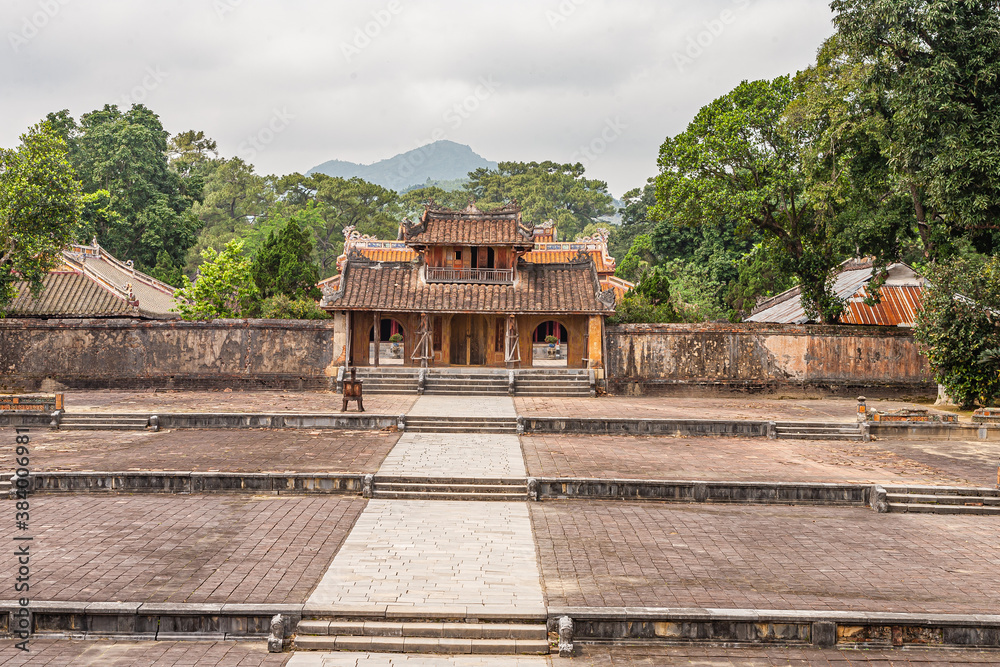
<point x="224" y="289"/>
<point x="545" y="191"/>
<point x="933" y="67"/>
<point x="125" y="154"/>
<point x="284" y="264"/>
<point x="40" y="208"/>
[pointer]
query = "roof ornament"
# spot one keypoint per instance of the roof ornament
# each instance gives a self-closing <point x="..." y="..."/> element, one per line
<point x="607" y="298"/>
<point x="581" y="257"/>
<point x="601" y="235"/>
<point x="471" y="208"/>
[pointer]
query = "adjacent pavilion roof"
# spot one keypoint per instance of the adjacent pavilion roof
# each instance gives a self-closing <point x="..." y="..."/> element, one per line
<point x="571" y="287"/>
<point x="92" y="283"/>
<point x="900" y="298"/>
<point x="469" y="227"/>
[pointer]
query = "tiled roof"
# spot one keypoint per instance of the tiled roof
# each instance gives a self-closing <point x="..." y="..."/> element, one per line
<point x="539" y="288"/>
<point x="900" y="298"/>
<point x="441" y="226"/>
<point x="92" y="283"/>
<point x="559" y="256"/>
<point x="69" y="294"/>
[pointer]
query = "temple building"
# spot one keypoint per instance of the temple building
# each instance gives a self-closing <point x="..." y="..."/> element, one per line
<point x="472" y="288"/>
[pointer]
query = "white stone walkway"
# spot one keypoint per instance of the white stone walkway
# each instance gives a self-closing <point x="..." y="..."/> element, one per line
<point x="431" y="556"/>
<point x="463" y="406"/>
<point x="455" y="455"/>
<point x="411" y="660"/>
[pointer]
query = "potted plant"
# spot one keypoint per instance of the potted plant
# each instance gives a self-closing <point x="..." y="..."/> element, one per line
<point x="551" y="340"/>
<point x="395" y="339"/>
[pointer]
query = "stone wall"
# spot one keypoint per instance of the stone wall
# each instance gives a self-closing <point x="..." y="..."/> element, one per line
<point x="704" y="359"/>
<point x="239" y="354"/>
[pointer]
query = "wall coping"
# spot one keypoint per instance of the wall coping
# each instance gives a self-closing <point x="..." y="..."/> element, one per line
<point x="835" y="330"/>
<point x="122" y="323"/>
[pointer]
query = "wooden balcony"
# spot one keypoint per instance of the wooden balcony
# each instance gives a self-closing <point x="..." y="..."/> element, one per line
<point x="441" y="274"/>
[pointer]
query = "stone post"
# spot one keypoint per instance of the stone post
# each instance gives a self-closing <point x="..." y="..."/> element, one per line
<point x="565" y="637"/>
<point x="276" y="638"/>
<point x="862" y="409"/>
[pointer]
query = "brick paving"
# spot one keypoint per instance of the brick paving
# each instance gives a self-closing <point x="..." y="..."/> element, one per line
<point x="230" y="450"/>
<point x="765" y="557"/>
<point x="69" y="653"/>
<point x="669" y="407"/>
<point x="973" y="460"/>
<point x="463" y="406"/>
<point x="744" y="459"/>
<point x="350" y="659"/>
<point x="201" y="548"/>
<point x="711" y="656"/>
<point x="149" y="401"/>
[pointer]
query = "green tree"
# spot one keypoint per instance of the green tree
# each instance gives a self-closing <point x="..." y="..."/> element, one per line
<point x="649" y="302"/>
<point x="932" y="66"/>
<point x="280" y="307"/>
<point x="224" y="288"/>
<point x="545" y="191"/>
<point x="958" y="323"/>
<point x="40" y="208"/>
<point x="740" y="161"/>
<point x="412" y="202"/>
<point x="634" y="219"/>
<point x="125" y="154"/>
<point x="284" y="264"/>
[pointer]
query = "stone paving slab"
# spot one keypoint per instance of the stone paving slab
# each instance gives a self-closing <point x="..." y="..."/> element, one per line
<point x="455" y="455"/>
<point x="765" y="557"/>
<point x="298" y="402"/>
<point x="713" y="656"/>
<point x="436" y="555"/>
<point x="348" y="659"/>
<point x="975" y="460"/>
<point x="750" y="459"/>
<point x="210" y="450"/>
<point x="463" y="406"/>
<point x="91" y="653"/>
<point x="736" y="407"/>
<point x="195" y="549"/>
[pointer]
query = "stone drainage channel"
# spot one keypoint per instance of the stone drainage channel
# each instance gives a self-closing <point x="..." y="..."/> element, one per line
<point x="418" y="575"/>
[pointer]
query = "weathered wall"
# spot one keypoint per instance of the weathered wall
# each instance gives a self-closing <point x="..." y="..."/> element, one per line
<point x="695" y="359"/>
<point x="130" y="353"/>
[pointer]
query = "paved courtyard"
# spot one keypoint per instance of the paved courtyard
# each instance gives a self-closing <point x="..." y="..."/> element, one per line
<point x="503" y="557"/>
<point x="201" y="548"/>
<point x="765" y="557"/>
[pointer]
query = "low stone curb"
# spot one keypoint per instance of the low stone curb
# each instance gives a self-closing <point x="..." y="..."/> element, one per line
<point x="196" y="482"/>
<point x="759" y="626"/>
<point x="705" y="492"/>
<point x="137" y="620"/>
<point x="672" y="427"/>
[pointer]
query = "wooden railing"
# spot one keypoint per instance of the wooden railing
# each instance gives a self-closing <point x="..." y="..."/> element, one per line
<point x="441" y="274"/>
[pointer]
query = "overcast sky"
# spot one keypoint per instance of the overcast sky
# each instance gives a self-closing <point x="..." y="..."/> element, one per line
<point x="292" y="84"/>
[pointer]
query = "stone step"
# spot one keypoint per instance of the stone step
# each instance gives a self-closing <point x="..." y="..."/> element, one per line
<point x="421" y="645"/>
<point x="943" y="499"/>
<point x="936" y="508"/>
<point x="461" y="429"/>
<point x="455" y="487"/>
<point x="442" y="495"/>
<point x="423" y="479"/>
<point x="945" y="490"/>
<point x="324" y="627"/>
<point x="820" y="436"/>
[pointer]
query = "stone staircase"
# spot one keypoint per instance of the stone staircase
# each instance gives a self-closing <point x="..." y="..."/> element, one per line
<point x="450" y="488"/>
<point x="104" y="422"/>
<point x="421" y="636"/>
<point x="419" y="424"/>
<point x="818" y="431"/>
<point x="477" y="381"/>
<point x="552" y="382"/>
<point x="467" y="384"/>
<point x="943" y="500"/>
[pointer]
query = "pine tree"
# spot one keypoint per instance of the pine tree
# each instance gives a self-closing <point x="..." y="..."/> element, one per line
<point x="284" y="264"/>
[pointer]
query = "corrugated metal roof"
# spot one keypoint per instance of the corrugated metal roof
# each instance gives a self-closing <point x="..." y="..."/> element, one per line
<point x="900" y="299"/>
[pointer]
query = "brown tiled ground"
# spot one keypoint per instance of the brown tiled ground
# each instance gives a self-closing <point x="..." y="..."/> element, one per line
<point x="765" y="557"/>
<point x="148" y="401"/>
<point x="69" y="653"/>
<point x="738" y="459"/>
<point x="705" y="656"/>
<point x="202" y="548"/>
<point x="742" y="407"/>
<point x="232" y="450"/>
<point x="974" y="460"/>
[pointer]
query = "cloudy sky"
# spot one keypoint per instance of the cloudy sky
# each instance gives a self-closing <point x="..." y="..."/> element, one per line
<point x="292" y="84"/>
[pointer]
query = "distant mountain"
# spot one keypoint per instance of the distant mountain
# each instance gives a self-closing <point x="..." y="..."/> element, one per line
<point x="440" y="161"/>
